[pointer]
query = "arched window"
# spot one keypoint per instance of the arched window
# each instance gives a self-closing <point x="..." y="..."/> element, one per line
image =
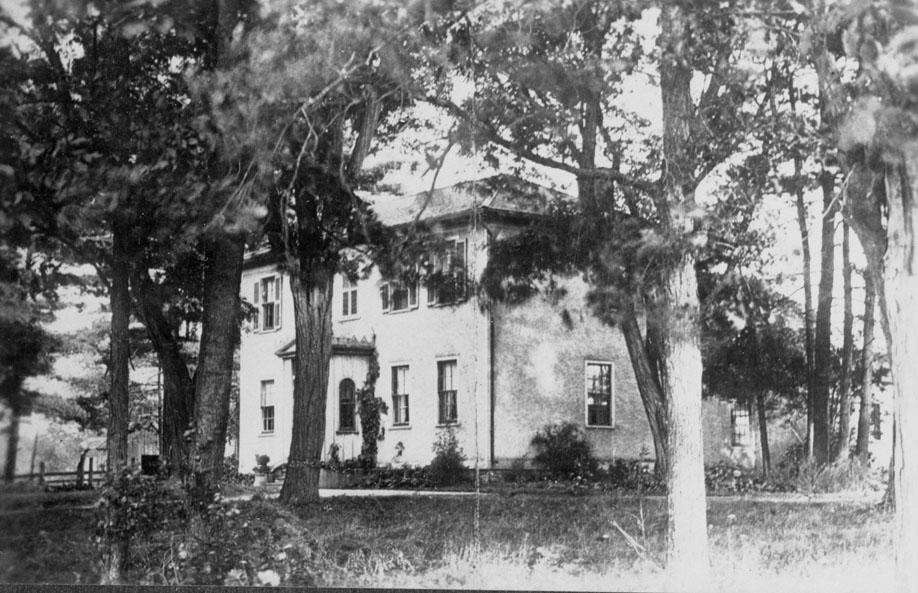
<point x="347" y="406"/>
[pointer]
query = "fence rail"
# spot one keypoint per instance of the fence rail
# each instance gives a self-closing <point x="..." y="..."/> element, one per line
<point x="91" y="477"/>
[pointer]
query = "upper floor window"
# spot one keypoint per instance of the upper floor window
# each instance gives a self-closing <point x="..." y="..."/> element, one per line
<point x="347" y="406"/>
<point x="400" y="394"/>
<point x="267" y="303"/>
<point x="599" y="393"/>
<point x="446" y="392"/>
<point x="449" y="281"/>
<point x="398" y="296"/>
<point x="348" y="298"/>
<point x="267" y="406"/>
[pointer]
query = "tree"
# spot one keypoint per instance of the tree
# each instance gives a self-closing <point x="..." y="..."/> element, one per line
<point x="880" y="137"/>
<point x="751" y="354"/>
<point x="330" y="92"/>
<point x="23" y="353"/>
<point x="547" y="107"/>
<point x="862" y="445"/>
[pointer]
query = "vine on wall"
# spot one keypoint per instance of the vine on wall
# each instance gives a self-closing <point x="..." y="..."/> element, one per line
<point x="371" y="408"/>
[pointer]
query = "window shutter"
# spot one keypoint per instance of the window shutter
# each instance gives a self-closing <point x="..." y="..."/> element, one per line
<point x="255" y="292"/>
<point x="277" y="301"/>
<point x="384" y="296"/>
<point x="461" y="271"/>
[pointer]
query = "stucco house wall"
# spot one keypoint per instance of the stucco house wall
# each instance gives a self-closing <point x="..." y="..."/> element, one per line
<point x="540" y="377"/>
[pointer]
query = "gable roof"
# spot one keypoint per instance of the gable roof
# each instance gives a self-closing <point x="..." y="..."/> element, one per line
<point x="500" y="195"/>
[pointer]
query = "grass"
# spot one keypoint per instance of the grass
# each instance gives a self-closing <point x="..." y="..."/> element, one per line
<point x="525" y="541"/>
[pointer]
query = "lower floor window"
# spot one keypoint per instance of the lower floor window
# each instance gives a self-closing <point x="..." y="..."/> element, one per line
<point x="599" y="393"/>
<point x="267" y="418"/>
<point x="347" y="406"/>
<point x="446" y="388"/>
<point x="400" y="395"/>
<point x="267" y="406"/>
<point x="739" y="420"/>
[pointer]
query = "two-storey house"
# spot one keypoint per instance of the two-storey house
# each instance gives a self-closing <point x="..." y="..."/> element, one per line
<point x="496" y="373"/>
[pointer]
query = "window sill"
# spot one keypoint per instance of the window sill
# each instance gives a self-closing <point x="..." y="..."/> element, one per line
<point x="450" y="304"/>
<point x="346" y="432"/>
<point x="449" y="425"/>
<point x="267" y="331"/>
<point x="349" y="318"/>
<point x="400" y="427"/>
<point x="601" y="426"/>
<point x="265" y="434"/>
<point x="394" y="312"/>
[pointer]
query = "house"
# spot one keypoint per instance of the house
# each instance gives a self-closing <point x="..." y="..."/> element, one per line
<point x="495" y="374"/>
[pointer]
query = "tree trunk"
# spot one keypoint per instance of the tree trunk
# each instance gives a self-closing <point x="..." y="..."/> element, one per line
<point x="648" y="387"/>
<point x="862" y="446"/>
<point x="12" y="444"/>
<point x="688" y="564"/>
<point x="808" y="325"/>
<point x="902" y="308"/>
<point x="118" y="396"/>
<point x="808" y="321"/>
<point x="843" y="442"/>
<point x="312" y="302"/>
<point x="763" y="434"/>
<point x="213" y="377"/>
<point x="178" y="387"/>
<point x="822" y="355"/>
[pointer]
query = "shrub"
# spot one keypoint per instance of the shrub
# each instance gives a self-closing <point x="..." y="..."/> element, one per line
<point x="448" y="465"/>
<point x="562" y="450"/>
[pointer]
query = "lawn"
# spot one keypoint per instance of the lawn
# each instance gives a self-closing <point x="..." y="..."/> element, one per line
<point x="525" y="541"/>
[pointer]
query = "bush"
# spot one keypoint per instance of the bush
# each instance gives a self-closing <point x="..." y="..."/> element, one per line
<point x="448" y="465"/>
<point x="562" y="450"/>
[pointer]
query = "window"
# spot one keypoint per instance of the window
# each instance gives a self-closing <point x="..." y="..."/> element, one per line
<point x="400" y="394"/>
<point x="449" y="281"/>
<point x="347" y="406"/>
<point x="739" y="421"/>
<point x="348" y="298"/>
<point x="599" y="393"/>
<point x="876" y="428"/>
<point x="267" y="406"/>
<point x="398" y="296"/>
<point x="446" y="388"/>
<point x="267" y="303"/>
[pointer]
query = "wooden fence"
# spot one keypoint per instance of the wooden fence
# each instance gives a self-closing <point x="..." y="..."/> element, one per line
<point x="91" y="478"/>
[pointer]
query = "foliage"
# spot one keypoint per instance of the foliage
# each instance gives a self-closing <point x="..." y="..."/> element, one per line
<point x="261" y="464"/>
<point x="231" y="476"/>
<point x="427" y="542"/>
<point x="448" y="465"/>
<point x="563" y="450"/>
<point x="133" y="505"/>
<point x="370" y="407"/>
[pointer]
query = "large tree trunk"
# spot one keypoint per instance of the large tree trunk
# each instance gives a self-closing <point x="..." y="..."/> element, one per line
<point x="312" y="302"/>
<point x="648" y="384"/>
<point x="843" y="442"/>
<point x="822" y="355"/>
<point x="862" y="446"/>
<point x="118" y="397"/>
<point x="688" y="564"/>
<point x="178" y="387"/>
<point x="902" y="308"/>
<point x="213" y="377"/>
<point x="763" y="433"/>
<point x="12" y="444"/>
